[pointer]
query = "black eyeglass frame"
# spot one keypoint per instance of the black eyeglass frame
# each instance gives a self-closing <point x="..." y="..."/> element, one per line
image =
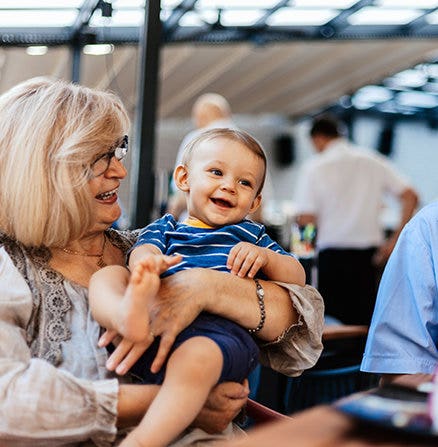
<point x="119" y="152"/>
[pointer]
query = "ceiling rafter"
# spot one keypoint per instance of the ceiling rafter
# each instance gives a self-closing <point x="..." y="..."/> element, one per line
<point x="340" y="22"/>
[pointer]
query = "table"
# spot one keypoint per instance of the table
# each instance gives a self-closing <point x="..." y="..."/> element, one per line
<point x="324" y="426"/>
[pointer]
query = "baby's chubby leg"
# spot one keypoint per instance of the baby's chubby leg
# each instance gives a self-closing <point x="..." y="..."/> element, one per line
<point x="192" y="370"/>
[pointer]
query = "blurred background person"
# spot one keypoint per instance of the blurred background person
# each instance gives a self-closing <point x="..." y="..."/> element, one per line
<point x="340" y="190"/>
<point x="209" y="111"/>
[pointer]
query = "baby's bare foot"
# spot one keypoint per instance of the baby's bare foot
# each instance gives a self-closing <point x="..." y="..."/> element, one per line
<point x="143" y="285"/>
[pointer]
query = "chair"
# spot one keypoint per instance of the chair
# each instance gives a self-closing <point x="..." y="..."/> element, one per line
<point x="335" y="375"/>
<point x="258" y="414"/>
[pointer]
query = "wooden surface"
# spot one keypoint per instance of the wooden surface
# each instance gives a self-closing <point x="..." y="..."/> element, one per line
<point x="323" y="426"/>
<point x="334" y="332"/>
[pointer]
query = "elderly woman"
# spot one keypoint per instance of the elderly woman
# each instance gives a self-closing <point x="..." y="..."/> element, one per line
<point x="61" y="152"/>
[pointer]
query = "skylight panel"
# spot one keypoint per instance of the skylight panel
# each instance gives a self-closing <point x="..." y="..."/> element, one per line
<point x="35" y="4"/>
<point x="123" y="4"/>
<point x="119" y="18"/>
<point x="240" y="17"/>
<point x="235" y="4"/>
<point x="426" y="4"/>
<point x="380" y="16"/>
<point x="432" y="18"/>
<point x="37" y="19"/>
<point x="198" y="18"/>
<point x="293" y="16"/>
<point x="332" y="4"/>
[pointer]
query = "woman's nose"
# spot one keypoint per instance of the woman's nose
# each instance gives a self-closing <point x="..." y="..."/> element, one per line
<point x="116" y="169"/>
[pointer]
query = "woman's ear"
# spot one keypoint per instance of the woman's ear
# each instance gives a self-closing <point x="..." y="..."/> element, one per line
<point x="181" y="178"/>
<point x="255" y="204"/>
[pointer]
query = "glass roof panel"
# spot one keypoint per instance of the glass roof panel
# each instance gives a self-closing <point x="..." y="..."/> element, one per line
<point x="332" y="4"/>
<point x="119" y="18"/>
<point x="35" y="18"/>
<point x="380" y="16"/>
<point x="120" y="4"/>
<point x="407" y="3"/>
<point x="35" y="4"/>
<point x="198" y="18"/>
<point x="294" y="16"/>
<point x="241" y="17"/>
<point x="432" y="18"/>
<point x="235" y="4"/>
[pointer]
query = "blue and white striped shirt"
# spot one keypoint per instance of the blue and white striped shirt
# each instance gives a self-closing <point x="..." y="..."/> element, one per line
<point x="203" y="247"/>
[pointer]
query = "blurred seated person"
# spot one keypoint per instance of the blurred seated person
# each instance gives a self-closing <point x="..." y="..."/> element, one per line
<point x="403" y="337"/>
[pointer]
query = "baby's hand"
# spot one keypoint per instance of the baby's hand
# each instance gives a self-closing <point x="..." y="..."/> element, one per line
<point x="246" y="259"/>
<point x="158" y="263"/>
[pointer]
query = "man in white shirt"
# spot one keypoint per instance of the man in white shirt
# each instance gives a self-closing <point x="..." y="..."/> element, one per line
<point x="341" y="191"/>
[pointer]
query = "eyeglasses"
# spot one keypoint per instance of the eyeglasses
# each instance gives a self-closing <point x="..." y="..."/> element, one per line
<point x="102" y="163"/>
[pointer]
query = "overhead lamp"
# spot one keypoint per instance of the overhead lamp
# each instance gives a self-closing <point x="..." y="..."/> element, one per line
<point x="98" y="49"/>
<point x="37" y="50"/>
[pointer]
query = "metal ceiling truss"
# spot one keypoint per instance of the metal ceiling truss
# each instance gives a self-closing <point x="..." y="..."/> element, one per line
<point x="260" y="33"/>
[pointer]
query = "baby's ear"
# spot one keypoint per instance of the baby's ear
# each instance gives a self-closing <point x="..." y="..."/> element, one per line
<point x="256" y="204"/>
<point x="181" y="178"/>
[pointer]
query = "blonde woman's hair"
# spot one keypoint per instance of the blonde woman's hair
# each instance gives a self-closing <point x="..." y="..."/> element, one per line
<point x="50" y="132"/>
<point x="239" y="136"/>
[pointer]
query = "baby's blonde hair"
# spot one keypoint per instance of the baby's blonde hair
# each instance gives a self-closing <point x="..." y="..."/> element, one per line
<point x="50" y="132"/>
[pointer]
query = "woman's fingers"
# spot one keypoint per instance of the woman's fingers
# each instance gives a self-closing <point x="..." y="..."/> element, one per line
<point x="131" y="357"/>
<point x="106" y="338"/>
<point x="166" y="343"/>
<point x="119" y="354"/>
<point x="223" y="404"/>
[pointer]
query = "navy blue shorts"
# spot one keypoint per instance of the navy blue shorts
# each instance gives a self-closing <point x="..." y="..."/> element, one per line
<point x="238" y="348"/>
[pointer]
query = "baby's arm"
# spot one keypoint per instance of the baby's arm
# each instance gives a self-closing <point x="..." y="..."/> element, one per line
<point x="246" y="259"/>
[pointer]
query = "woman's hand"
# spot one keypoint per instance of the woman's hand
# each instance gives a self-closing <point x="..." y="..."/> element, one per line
<point x="126" y="352"/>
<point x="223" y="405"/>
<point x="178" y="303"/>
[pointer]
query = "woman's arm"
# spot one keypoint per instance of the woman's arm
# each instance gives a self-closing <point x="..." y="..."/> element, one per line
<point x="289" y="309"/>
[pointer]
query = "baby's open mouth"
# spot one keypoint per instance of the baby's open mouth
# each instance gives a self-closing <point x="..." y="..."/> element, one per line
<point x="222" y="202"/>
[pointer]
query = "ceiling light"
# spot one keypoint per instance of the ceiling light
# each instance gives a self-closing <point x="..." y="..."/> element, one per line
<point x="37" y="50"/>
<point x="98" y="49"/>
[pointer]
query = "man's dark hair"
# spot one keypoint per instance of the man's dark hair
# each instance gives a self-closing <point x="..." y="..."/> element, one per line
<point x="325" y="125"/>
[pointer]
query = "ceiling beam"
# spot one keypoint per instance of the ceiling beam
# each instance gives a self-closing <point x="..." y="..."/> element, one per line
<point x="340" y="22"/>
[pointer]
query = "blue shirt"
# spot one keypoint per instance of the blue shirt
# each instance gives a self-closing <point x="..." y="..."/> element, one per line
<point x="403" y="336"/>
<point x="203" y="247"/>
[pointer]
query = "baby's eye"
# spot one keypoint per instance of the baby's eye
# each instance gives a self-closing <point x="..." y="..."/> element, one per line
<point x="245" y="182"/>
<point x="216" y="171"/>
